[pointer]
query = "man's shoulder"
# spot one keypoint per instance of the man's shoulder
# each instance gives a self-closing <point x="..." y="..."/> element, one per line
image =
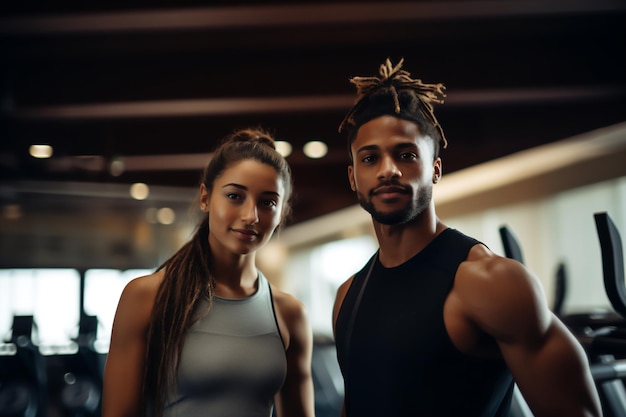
<point x="485" y="272"/>
<point x="452" y="237"/>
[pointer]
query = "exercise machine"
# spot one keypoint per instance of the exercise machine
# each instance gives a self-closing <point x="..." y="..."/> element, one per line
<point x="23" y="376"/>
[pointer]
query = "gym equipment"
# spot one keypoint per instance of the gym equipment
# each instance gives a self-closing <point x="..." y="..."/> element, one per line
<point x="610" y="341"/>
<point x="80" y="389"/>
<point x="23" y="376"/>
<point x="560" y="289"/>
<point x="512" y="248"/>
<point x="612" y="261"/>
<point x="80" y="393"/>
<point x="327" y="378"/>
<point x="75" y="374"/>
<point x="602" y="335"/>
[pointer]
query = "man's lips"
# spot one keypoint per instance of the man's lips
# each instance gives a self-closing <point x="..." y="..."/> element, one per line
<point x="388" y="191"/>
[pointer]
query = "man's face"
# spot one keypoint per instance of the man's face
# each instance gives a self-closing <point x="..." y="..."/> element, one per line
<point x="393" y="169"/>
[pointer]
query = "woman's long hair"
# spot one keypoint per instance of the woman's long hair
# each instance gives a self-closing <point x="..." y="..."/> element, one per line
<point x="188" y="272"/>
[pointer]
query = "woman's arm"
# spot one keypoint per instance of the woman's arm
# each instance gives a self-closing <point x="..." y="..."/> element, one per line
<point x="296" y="397"/>
<point x="125" y="361"/>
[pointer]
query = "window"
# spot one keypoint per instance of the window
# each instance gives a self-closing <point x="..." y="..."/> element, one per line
<point x="103" y="288"/>
<point x="52" y="297"/>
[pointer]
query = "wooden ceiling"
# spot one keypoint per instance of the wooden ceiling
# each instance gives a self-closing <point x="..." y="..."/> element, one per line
<point x="157" y="83"/>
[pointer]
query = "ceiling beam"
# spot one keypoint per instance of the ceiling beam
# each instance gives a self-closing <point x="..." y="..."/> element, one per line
<point x="225" y="106"/>
<point x="283" y="15"/>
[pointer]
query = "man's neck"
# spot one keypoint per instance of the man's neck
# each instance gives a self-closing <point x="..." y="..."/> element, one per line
<point x="399" y="243"/>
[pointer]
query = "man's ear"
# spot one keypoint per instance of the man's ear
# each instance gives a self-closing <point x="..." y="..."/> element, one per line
<point x="436" y="170"/>
<point x="351" y="177"/>
<point x="204" y="198"/>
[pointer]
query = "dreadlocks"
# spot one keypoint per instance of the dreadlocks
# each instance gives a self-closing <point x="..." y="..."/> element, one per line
<point x="395" y="92"/>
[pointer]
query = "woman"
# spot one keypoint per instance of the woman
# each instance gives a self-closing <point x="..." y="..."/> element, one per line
<point x="206" y="334"/>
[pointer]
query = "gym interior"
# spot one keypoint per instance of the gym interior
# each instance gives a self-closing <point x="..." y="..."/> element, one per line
<point x="128" y="94"/>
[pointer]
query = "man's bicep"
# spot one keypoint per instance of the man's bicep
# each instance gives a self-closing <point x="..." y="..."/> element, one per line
<point x="553" y="375"/>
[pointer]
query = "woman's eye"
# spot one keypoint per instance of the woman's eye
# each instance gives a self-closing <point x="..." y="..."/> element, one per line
<point x="271" y="203"/>
<point x="232" y="196"/>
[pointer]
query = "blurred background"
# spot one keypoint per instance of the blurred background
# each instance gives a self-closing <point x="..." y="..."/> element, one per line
<point x="109" y="111"/>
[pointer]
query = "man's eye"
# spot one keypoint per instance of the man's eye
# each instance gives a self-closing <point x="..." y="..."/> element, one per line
<point x="368" y="159"/>
<point x="408" y="155"/>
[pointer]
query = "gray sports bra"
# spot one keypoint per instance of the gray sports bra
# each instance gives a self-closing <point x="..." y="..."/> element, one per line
<point x="233" y="361"/>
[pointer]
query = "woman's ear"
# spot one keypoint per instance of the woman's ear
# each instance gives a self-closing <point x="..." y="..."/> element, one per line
<point x="204" y="198"/>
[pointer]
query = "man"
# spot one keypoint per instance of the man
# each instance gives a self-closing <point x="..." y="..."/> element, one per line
<point x="436" y="324"/>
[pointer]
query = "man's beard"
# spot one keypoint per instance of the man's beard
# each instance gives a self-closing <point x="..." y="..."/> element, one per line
<point x="398" y="217"/>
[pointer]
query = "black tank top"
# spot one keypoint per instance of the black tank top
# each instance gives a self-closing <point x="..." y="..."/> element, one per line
<point x="400" y="360"/>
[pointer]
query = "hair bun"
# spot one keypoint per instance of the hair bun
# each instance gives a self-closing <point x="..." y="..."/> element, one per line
<point x="252" y="135"/>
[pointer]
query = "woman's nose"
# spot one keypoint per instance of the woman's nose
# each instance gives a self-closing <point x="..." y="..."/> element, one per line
<point x="250" y="214"/>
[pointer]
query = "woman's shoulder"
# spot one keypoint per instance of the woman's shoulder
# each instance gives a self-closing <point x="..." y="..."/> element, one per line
<point x="285" y="300"/>
<point x="288" y="306"/>
<point x="135" y="305"/>
<point x="144" y="286"/>
<point x="291" y="313"/>
<point x="138" y="297"/>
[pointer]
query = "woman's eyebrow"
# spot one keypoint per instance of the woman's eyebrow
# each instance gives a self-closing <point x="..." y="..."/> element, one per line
<point x="244" y="188"/>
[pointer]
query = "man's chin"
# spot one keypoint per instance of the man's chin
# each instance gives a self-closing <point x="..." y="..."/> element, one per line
<point x="390" y="218"/>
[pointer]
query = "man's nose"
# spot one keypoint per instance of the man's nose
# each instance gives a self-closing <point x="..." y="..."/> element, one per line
<point x="388" y="168"/>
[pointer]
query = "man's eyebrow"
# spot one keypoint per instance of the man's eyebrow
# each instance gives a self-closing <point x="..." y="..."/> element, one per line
<point x="367" y="148"/>
<point x="406" y="145"/>
<point x="398" y="146"/>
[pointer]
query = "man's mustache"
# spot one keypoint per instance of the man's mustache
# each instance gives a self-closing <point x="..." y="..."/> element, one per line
<point x="390" y="186"/>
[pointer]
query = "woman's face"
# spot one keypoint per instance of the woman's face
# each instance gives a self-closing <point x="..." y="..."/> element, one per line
<point x="245" y="207"/>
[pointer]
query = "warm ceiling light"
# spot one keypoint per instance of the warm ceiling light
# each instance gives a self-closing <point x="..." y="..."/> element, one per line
<point x="40" y="151"/>
<point x="283" y="147"/>
<point x="166" y="215"/>
<point x="139" y="191"/>
<point x="315" y="149"/>
<point x="116" y="168"/>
